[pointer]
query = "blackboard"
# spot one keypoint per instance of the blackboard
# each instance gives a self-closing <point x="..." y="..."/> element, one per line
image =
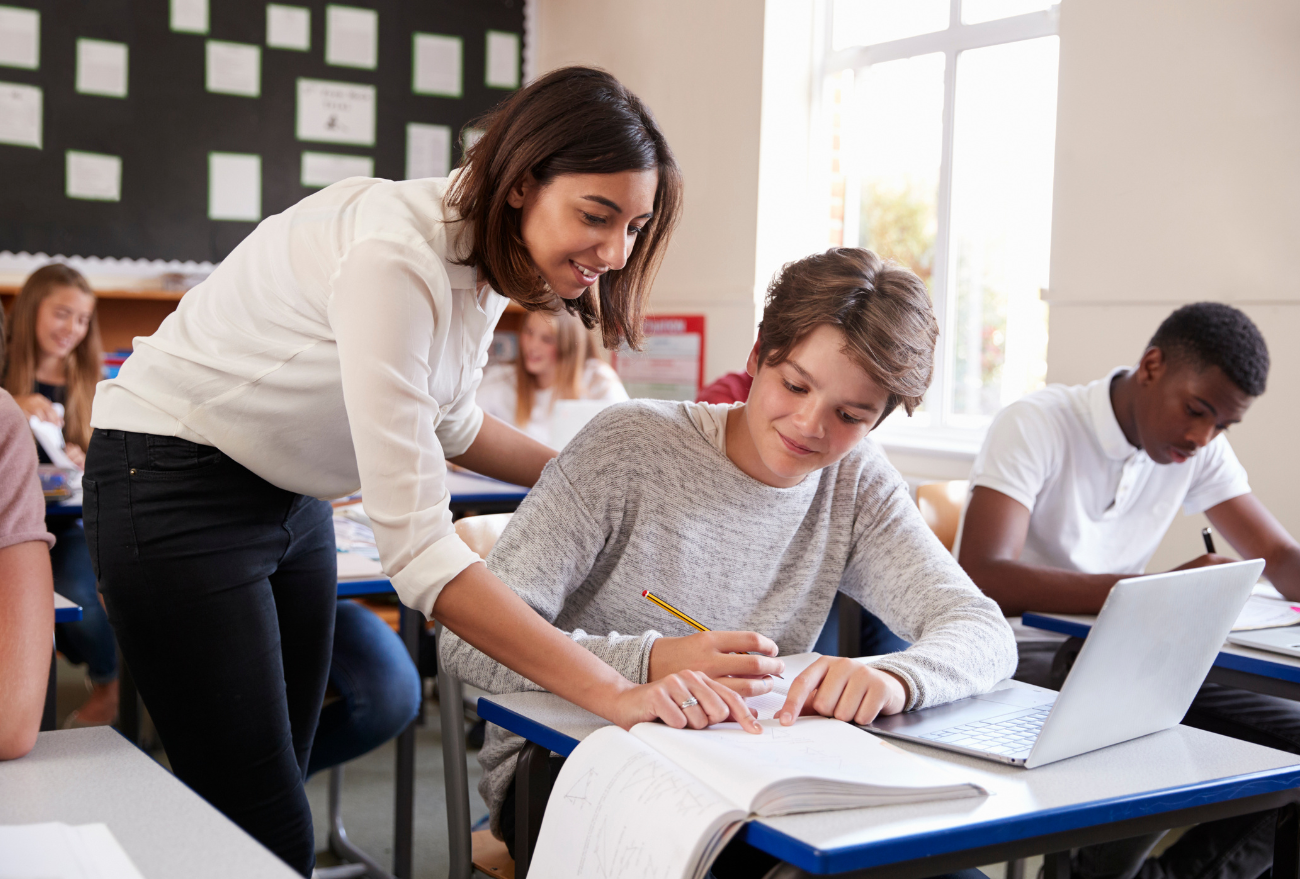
<point x="169" y="123"/>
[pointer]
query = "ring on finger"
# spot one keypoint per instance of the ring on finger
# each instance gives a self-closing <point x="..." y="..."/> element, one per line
<point x="689" y="703"/>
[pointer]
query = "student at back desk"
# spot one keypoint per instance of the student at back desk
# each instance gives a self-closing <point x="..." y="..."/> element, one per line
<point x="751" y="517"/>
<point x="1074" y="489"/>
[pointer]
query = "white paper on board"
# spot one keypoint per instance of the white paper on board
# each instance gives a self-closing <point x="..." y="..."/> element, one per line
<point x="20" y="37"/>
<point x="20" y="114"/>
<point x="351" y="37"/>
<point x="288" y="27"/>
<point x="189" y="16"/>
<point x="428" y="150"/>
<point x="437" y="65"/>
<point x="102" y="68"/>
<point x="234" y="186"/>
<point x="94" y="176"/>
<point x="234" y="68"/>
<point x="322" y="169"/>
<point x="502" y="60"/>
<point x="336" y="112"/>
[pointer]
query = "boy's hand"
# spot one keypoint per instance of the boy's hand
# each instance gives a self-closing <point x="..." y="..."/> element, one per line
<point x="723" y="656"/>
<point x="1204" y="561"/>
<point x="40" y="406"/>
<point x="843" y="688"/>
<point x="662" y="700"/>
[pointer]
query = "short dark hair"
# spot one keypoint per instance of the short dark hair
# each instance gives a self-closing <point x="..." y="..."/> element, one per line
<point x="575" y="120"/>
<point x="882" y="308"/>
<point x="1206" y="334"/>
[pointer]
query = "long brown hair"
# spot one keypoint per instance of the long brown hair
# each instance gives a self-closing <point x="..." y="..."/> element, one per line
<point x="575" y="120"/>
<point x="572" y="349"/>
<point x="83" y="368"/>
<point x="882" y="308"/>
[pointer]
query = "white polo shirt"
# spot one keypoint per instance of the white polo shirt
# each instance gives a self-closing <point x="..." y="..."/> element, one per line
<point x="337" y="348"/>
<point x="1098" y="504"/>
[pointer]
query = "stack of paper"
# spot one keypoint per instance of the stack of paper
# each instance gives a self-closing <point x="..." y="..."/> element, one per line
<point x="62" y="851"/>
<point x="358" y="556"/>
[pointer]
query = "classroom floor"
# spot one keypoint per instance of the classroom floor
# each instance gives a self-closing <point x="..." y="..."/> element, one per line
<point x="367" y="791"/>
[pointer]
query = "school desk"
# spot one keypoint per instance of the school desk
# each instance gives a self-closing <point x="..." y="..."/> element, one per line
<point x="1175" y="778"/>
<point x="94" y="776"/>
<point x="65" y="611"/>
<point x="469" y="491"/>
<point x="1260" y="671"/>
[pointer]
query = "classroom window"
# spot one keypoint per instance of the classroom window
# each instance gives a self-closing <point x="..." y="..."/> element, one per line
<point x="939" y="118"/>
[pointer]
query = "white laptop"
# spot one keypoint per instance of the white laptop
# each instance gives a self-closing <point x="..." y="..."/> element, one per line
<point x="1140" y="667"/>
<point x="1286" y="641"/>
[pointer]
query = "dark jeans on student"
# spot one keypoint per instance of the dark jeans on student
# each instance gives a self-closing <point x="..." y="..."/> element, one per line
<point x="374" y="686"/>
<point x="221" y="589"/>
<point x="89" y="641"/>
<point x="739" y="860"/>
<point x="1231" y="848"/>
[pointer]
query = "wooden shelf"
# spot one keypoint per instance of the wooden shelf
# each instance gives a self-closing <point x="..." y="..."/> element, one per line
<point x="155" y="295"/>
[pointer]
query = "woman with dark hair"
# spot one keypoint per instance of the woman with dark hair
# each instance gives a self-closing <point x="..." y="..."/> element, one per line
<point x="338" y="348"/>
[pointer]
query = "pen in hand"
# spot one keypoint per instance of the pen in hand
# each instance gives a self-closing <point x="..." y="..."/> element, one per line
<point x="698" y="626"/>
<point x="1209" y="541"/>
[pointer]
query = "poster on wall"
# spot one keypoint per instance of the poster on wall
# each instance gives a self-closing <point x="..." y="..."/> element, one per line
<point x="670" y="365"/>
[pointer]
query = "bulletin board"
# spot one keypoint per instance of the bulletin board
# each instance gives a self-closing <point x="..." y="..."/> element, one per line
<point x="165" y="129"/>
<point x="670" y="365"/>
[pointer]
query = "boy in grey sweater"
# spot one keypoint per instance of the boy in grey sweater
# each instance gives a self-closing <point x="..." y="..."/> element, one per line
<point x="750" y="518"/>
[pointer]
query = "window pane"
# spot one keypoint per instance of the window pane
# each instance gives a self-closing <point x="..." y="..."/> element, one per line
<point x="1004" y="136"/>
<point x="975" y="11"/>
<point x="862" y="22"/>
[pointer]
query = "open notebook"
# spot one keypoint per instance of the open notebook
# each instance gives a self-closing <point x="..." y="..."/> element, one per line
<point x="659" y="801"/>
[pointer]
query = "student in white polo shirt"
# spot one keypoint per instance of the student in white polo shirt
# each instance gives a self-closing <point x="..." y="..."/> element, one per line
<point x="1074" y="489"/>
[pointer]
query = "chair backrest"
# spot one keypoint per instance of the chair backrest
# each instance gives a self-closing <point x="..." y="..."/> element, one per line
<point x="480" y="533"/>
<point x="941" y="506"/>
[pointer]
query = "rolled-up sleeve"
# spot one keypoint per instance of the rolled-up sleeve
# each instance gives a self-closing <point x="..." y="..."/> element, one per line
<point x="389" y="313"/>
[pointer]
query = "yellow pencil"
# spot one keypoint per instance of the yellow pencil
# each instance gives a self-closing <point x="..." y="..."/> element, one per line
<point x="648" y="595"/>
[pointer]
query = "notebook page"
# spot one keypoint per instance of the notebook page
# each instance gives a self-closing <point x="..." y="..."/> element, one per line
<point x="1262" y="612"/>
<point x="742" y="766"/>
<point x="619" y="808"/>
<point x="767" y="705"/>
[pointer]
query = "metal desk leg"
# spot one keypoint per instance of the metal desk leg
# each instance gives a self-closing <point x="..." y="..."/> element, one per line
<point x="404" y="805"/>
<point x="532" y="790"/>
<point x="1056" y="865"/>
<point x="451" y="713"/>
<point x="1016" y="869"/>
<point x="51" y="694"/>
<point x="1286" y="843"/>
<point x="361" y="863"/>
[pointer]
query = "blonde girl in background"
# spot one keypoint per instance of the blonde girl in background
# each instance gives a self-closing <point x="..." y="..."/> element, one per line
<point x="557" y="361"/>
<point x="55" y="357"/>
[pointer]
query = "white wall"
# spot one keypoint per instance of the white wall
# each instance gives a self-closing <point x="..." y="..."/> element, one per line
<point x="698" y="66"/>
<point x="1177" y="180"/>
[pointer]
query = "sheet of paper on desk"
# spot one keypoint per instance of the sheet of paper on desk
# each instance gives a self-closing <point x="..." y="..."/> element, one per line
<point x="358" y="556"/>
<point x="63" y="851"/>
<point x="1262" y="612"/>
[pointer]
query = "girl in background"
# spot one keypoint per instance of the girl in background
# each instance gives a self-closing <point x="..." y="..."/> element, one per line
<point x="556" y="361"/>
<point x="55" y="356"/>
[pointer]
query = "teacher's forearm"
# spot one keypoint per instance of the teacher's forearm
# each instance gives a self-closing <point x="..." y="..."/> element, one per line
<point x="484" y="612"/>
<point x="504" y="453"/>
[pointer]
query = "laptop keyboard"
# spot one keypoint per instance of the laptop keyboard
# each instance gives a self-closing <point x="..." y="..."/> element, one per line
<point x="1012" y="737"/>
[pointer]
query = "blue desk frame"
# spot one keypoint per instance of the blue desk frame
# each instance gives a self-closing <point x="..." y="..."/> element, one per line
<point x="1052" y="831"/>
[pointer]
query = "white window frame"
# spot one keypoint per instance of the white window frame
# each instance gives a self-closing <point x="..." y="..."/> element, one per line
<point x="896" y="432"/>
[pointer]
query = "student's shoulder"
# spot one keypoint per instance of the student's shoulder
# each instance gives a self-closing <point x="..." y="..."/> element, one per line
<point x="1048" y="413"/>
<point x="13" y="422"/>
<point x="631" y="431"/>
<point x="868" y="473"/>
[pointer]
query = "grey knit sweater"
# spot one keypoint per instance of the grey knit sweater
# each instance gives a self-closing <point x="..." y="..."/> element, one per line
<point x="643" y="499"/>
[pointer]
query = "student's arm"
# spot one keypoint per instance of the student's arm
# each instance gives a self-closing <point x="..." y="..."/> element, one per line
<point x="898" y="570"/>
<point x="1254" y="533"/>
<point x="506" y="453"/>
<point x="40" y="406"/>
<point x="993" y="536"/>
<point x="26" y="643"/>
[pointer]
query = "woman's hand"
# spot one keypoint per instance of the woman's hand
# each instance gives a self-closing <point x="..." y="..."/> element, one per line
<point x="40" y="406"/>
<point x="76" y="455"/>
<point x="662" y="700"/>
<point x="722" y="656"/>
<point x="845" y="689"/>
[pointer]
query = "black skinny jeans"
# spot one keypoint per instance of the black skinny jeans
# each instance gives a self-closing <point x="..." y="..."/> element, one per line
<point x="221" y="589"/>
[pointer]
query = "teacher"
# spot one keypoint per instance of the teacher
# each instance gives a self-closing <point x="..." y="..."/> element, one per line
<point x="338" y="348"/>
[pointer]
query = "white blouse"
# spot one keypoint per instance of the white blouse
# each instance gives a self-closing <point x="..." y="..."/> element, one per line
<point x="337" y="348"/>
<point x="499" y="393"/>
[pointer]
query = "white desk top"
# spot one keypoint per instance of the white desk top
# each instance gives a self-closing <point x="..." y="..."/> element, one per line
<point x="89" y="776"/>
<point x="1038" y="800"/>
<point x="61" y="603"/>
<point x="460" y="483"/>
<point x="1256" y="661"/>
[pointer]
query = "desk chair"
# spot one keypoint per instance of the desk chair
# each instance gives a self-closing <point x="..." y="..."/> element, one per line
<point x="942" y="505"/>
<point x="467" y="851"/>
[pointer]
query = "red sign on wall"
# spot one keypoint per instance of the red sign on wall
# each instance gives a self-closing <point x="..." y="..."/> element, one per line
<point x="670" y="365"/>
